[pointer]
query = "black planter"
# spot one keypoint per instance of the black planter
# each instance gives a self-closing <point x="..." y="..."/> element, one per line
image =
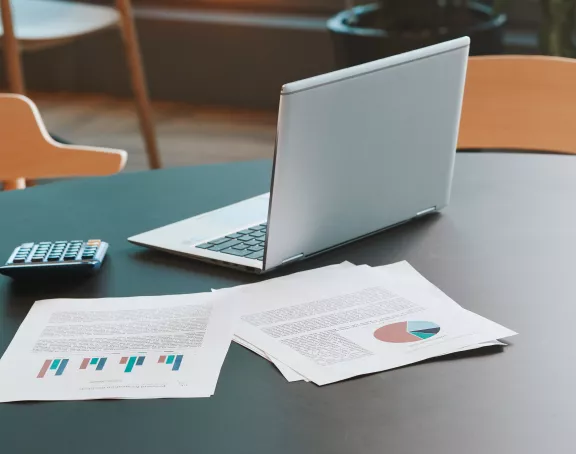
<point x="357" y="40"/>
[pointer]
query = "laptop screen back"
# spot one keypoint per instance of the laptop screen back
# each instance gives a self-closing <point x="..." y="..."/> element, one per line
<point x="364" y="148"/>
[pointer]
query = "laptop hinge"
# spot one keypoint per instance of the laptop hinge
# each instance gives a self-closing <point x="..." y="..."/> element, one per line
<point x="291" y="259"/>
<point x="427" y="211"/>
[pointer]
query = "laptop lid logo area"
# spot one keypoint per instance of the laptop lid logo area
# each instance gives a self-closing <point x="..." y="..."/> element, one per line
<point x="363" y="149"/>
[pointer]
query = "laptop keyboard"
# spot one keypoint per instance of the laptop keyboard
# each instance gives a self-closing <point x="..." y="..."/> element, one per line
<point x="248" y="243"/>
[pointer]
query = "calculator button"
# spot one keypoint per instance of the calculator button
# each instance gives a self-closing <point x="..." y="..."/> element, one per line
<point x="19" y="260"/>
<point x="43" y="243"/>
<point x="60" y="242"/>
<point x="37" y="259"/>
<point x="94" y="241"/>
<point x="69" y="257"/>
<point x="27" y="245"/>
<point x="53" y="258"/>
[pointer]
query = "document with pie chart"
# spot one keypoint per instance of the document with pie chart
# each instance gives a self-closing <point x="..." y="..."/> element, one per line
<point x="331" y="324"/>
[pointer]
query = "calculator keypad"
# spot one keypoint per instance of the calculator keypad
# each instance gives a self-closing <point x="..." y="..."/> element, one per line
<point x="57" y="251"/>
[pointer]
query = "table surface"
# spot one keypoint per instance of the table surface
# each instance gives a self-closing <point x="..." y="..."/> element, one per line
<point x="504" y="248"/>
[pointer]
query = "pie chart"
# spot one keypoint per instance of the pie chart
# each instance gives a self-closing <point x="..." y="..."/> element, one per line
<point x="404" y="332"/>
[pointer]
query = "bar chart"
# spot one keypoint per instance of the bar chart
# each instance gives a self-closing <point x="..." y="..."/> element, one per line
<point x="98" y="362"/>
<point x="132" y="361"/>
<point x="174" y="360"/>
<point x="55" y="367"/>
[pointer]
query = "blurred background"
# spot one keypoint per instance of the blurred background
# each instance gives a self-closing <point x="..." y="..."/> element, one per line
<point x="215" y="67"/>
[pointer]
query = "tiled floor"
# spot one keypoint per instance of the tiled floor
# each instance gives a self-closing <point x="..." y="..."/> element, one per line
<point x="187" y="135"/>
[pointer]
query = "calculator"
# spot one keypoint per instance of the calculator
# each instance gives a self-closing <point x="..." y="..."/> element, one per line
<point x="48" y="258"/>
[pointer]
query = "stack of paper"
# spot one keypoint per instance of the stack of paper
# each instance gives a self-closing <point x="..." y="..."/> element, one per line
<point x="338" y="322"/>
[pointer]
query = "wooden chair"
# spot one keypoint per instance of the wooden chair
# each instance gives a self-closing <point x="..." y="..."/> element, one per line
<point x="520" y="103"/>
<point x="28" y="151"/>
<point x="38" y="24"/>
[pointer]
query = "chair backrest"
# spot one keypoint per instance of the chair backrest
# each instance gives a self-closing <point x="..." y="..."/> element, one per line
<point x="28" y="151"/>
<point x="520" y="102"/>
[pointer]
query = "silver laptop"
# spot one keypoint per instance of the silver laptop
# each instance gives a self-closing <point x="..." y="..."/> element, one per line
<point x="358" y="150"/>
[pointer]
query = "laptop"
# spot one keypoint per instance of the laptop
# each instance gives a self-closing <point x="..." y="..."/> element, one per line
<point x="358" y="151"/>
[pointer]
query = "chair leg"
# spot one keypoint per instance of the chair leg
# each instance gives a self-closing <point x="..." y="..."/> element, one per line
<point x="11" y="51"/>
<point x="10" y="185"/>
<point x="139" y="82"/>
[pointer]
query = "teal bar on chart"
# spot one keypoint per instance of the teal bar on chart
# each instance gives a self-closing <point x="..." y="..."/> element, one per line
<point x="170" y="359"/>
<point x="94" y="361"/>
<point x="55" y="364"/>
<point x="63" y="365"/>
<point x="130" y="364"/>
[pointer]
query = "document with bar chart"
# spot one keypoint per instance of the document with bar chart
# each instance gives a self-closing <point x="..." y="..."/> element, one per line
<point x="142" y="347"/>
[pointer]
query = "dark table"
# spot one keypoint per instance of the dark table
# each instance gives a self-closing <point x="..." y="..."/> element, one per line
<point x="505" y="248"/>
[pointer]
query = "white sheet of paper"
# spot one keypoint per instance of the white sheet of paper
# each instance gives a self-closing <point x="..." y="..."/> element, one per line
<point x="324" y="327"/>
<point x="140" y="347"/>
<point x="289" y="374"/>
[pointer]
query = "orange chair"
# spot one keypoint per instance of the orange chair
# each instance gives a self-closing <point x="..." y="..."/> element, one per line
<point x="520" y="103"/>
<point x="28" y="152"/>
<point x="32" y="25"/>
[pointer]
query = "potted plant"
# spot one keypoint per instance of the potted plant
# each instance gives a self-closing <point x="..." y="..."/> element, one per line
<point x="369" y="32"/>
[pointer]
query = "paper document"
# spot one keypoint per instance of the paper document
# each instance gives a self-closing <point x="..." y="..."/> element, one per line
<point x="333" y="324"/>
<point x="289" y="374"/>
<point x="142" y="347"/>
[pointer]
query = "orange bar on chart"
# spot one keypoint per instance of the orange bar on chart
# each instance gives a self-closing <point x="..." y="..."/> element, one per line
<point x="44" y="368"/>
<point x="85" y="363"/>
